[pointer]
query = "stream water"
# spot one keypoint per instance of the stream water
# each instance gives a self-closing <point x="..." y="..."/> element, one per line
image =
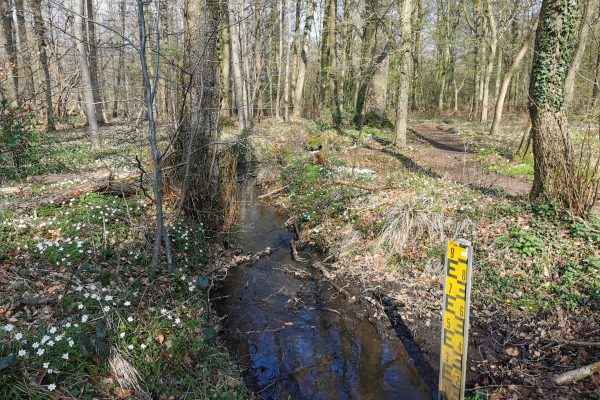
<point x="297" y="337"/>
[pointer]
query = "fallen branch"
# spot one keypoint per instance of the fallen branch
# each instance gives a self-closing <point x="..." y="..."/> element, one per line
<point x="250" y="258"/>
<point x="273" y="192"/>
<point x="577" y="374"/>
<point x="327" y="274"/>
<point x="295" y="255"/>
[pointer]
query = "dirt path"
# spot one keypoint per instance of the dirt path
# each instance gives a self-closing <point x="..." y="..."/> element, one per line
<point x="447" y="154"/>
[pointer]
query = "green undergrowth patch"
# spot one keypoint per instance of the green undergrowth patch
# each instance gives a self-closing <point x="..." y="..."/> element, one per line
<point x="84" y="316"/>
<point x="519" y="167"/>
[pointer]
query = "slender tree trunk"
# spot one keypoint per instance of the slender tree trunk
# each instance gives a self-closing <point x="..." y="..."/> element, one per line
<point x="555" y="41"/>
<point x="418" y="26"/>
<point x="279" y="63"/>
<point x="506" y="81"/>
<point x="93" y="61"/>
<point x="288" y="58"/>
<point x="86" y="78"/>
<point x="238" y="83"/>
<point x="302" y="64"/>
<point x="225" y="66"/>
<point x="590" y="8"/>
<point x="596" y="89"/>
<point x="121" y="60"/>
<point x="491" y="58"/>
<point x="405" y="72"/>
<point x="40" y="31"/>
<point x="329" y="84"/>
<point x="28" y="90"/>
<point x="8" y="41"/>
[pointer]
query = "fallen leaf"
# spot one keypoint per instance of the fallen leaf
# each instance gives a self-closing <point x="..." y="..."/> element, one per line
<point x="123" y="393"/>
<point x="512" y="351"/>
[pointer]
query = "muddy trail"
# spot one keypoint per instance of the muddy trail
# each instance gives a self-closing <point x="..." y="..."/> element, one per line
<point x="297" y="336"/>
<point x="441" y="153"/>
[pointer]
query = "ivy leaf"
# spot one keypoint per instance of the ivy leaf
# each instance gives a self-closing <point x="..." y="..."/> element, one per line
<point x="7" y="362"/>
<point x="202" y="282"/>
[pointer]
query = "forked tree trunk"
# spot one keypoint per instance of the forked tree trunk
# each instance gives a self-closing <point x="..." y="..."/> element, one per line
<point x="86" y="78"/>
<point x="302" y="64"/>
<point x="40" y="31"/>
<point x="405" y="72"/>
<point x="555" y="40"/>
<point x="506" y="81"/>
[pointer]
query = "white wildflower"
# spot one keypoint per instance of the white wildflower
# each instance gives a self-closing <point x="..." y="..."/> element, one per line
<point x="51" y="387"/>
<point x="22" y="353"/>
<point x="84" y="318"/>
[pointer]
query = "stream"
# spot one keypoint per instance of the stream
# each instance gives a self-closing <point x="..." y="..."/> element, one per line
<point x="298" y="337"/>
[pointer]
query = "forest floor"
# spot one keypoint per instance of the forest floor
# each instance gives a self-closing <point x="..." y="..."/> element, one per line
<point x="82" y="313"/>
<point x="384" y="216"/>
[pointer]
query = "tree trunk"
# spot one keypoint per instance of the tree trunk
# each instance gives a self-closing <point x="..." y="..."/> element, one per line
<point x="8" y="41"/>
<point x="596" y="89"/>
<point x="405" y="72"/>
<point x="288" y="59"/>
<point x="329" y="94"/>
<point x="590" y="8"/>
<point x="86" y="78"/>
<point x="93" y="62"/>
<point x="40" y="31"/>
<point x="279" y="63"/>
<point x="491" y="58"/>
<point x="555" y="41"/>
<point x="506" y="81"/>
<point x="225" y="65"/>
<point x="302" y="64"/>
<point x="121" y="60"/>
<point x="238" y="83"/>
<point x="28" y="90"/>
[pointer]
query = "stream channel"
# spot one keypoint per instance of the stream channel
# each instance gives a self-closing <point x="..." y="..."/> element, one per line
<point x="297" y="336"/>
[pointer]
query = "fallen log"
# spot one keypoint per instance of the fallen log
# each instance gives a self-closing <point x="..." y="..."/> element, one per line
<point x="104" y="187"/>
<point x="577" y="374"/>
<point x="273" y="192"/>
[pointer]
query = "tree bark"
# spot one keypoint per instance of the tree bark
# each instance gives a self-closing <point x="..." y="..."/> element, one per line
<point x="8" y="41"/>
<point x="555" y="41"/>
<point x="405" y="72"/>
<point x="491" y="58"/>
<point x="238" y="83"/>
<point x="288" y="59"/>
<point x="40" y="31"/>
<point x="28" y="90"/>
<point x="303" y="62"/>
<point x="225" y="67"/>
<point x="93" y="62"/>
<point x="121" y="60"/>
<point x="329" y="95"/>
<point x="86" y="78"/>
<point x="590" y="8"/>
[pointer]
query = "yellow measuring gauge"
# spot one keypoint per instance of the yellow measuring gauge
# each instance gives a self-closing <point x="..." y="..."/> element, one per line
<point x="455" y="324"/>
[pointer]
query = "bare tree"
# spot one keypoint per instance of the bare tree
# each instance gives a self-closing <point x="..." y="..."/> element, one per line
<point x="40" y="31"/>
<point x="405" y="13"/>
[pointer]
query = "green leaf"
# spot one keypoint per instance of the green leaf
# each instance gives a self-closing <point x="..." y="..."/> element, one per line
<point x="7" y="362"/>
<point x="202" y="282"/>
